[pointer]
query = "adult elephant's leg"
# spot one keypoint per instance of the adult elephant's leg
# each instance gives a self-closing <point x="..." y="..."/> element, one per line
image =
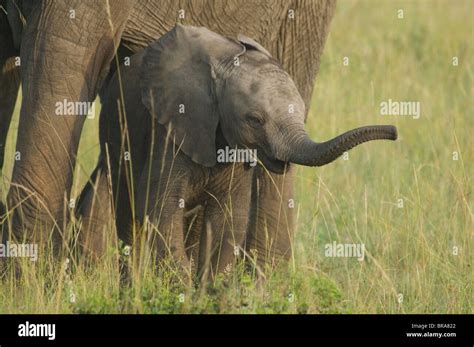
<point x="9" y="84"/>
<point x="66" y="50"/>
<point x="9" y="81"/>
<point x="96" y="212"/>
<point x="271" y="225"/>
<point x="299" y="50"/>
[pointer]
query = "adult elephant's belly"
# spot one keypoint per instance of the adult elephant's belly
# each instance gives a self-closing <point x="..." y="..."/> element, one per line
<point x="296" y="44"/>
<point x="148" y="21"/>
<point x="259" y="19"/>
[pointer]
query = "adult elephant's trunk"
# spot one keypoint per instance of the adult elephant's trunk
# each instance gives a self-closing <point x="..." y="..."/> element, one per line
<point x="306" y="152"/>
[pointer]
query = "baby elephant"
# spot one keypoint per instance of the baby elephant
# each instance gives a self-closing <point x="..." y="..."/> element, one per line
<point x="183" y="126"/>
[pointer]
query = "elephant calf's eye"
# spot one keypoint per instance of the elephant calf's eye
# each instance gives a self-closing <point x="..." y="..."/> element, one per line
<point x="254" y="121"/>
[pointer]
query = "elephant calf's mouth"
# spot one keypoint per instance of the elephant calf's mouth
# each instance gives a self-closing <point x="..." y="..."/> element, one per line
<point x="272" y="164"/>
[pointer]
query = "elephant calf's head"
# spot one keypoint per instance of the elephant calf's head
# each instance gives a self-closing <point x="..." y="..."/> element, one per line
<point x="194" y="80"/>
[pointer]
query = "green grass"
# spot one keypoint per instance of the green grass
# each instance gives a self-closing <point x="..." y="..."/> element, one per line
<point x="409" y="250"/>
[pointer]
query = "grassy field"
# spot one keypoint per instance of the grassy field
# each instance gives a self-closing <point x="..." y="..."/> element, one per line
<point x="408" y="202"/>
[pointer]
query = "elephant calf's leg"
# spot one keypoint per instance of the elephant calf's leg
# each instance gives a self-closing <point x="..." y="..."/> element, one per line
<point x="193" y="226"/>
<point x="225" y="227"/>
<point x="97" y="230"/>
<point x="160" y="211"/>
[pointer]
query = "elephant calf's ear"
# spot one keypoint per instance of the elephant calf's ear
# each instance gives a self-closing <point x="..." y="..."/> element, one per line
<point x="177" y="87"/>
<point x="252" y="44"/>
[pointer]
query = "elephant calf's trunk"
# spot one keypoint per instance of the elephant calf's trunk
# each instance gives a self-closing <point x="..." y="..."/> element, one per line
<point x="310" y="153"/>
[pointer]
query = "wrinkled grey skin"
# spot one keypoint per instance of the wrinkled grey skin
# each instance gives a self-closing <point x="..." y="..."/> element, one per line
<point x="73" y="63"/>
<point x="250" y="105"/>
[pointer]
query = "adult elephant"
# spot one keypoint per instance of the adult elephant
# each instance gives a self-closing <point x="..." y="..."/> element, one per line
<point x="66" y="50"/>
